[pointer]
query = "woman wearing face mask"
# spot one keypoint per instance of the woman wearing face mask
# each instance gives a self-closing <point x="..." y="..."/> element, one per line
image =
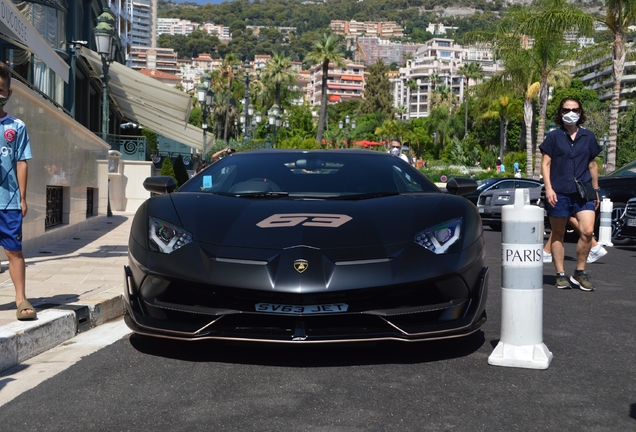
<point x="568" y="154"/>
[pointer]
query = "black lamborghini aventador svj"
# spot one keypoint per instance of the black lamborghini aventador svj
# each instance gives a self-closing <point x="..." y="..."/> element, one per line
<point x="306" y="246"/>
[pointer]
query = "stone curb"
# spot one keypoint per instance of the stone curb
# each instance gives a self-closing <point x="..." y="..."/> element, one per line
<point x="21" y="340"/>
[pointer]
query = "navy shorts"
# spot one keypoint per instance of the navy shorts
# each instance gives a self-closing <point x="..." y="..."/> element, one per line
<point x="11" y="230"/>
<point x="568" y="205"/>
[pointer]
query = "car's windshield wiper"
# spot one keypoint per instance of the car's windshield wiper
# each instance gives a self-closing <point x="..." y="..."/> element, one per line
<point x="273" y="194"/>
<point x="364" y="196"/>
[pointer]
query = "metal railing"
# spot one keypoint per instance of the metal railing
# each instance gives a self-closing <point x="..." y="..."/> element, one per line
<point x="54" y="206"/>
<point x="130" y="147"/>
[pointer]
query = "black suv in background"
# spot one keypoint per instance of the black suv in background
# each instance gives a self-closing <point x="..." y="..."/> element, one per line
<point x="620" y="187"/>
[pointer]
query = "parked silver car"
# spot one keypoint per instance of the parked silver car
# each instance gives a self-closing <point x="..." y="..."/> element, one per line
<point x="491" y="201"/>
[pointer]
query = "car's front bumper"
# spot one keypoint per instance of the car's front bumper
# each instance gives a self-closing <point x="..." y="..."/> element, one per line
<point x="386" y="313"/>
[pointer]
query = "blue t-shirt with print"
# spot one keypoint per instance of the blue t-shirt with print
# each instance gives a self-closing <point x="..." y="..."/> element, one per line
<point x="14" y="147"/>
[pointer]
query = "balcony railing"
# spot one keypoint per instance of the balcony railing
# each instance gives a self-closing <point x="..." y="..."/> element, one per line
<point x="130" y="147"/>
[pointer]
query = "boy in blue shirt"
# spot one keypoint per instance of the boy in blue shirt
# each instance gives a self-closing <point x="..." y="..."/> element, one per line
<point x="15" y="150"/>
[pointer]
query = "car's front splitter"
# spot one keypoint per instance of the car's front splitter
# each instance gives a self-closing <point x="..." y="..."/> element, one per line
<point x="447" y="319"/>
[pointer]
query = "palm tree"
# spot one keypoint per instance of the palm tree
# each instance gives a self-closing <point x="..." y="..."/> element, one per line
<point x="227" y="72"/>
<point x="278" y="71"/>
<point x="547" y="24"/>
<point x="469" y="71"/>
<point x="327" y="50"/>
<point x="619" y="14"/>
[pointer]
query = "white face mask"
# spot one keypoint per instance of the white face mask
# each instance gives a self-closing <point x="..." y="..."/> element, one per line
<point x="571" y="118"/>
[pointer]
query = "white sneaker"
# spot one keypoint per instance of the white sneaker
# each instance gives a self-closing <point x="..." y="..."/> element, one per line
<point x="547" y="257"/>
<point x="596" y="253"/>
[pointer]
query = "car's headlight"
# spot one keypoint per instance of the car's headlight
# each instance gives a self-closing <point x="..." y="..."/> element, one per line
<point x="165" y="237"/>
<point x="503" y="198"/>
<point x="439" y="238"/>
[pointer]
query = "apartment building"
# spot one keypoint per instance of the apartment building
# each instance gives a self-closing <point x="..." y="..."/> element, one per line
<point x="160" y="59"/>
<point x="353" y="28"/>
<point x="435" y="64"/>
<point x="346" y="83"/>
<point x="596" y="74"/>
<point x="144" y="16"/>
<point x="221" y="31"/>
<point x="375" y="48"/>
<point x="175" y="26"/>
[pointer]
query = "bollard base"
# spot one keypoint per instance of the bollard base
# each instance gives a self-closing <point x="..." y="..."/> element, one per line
<point x="522" y="356"/>
<point x="605" y="236"/>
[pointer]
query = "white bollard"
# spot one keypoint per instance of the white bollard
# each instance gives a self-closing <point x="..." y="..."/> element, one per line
<point x="521" y="343"/>
<point x="605" y="225"/>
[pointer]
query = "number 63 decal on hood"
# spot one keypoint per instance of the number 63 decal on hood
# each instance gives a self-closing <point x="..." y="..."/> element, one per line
<point x="305" y="219"/>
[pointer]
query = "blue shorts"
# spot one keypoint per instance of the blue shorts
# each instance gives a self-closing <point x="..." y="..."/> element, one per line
<point x="11" y="230"/>
<point x="568" y="205"/>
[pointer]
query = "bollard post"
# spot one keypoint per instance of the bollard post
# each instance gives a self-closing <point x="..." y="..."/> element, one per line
<point x="605" y="225"/>
<point x="521" y="342"/>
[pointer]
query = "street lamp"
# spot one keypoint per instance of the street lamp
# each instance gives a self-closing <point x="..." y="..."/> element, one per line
<point x="347" y="128"/>
<point x="248" y="108"/>
<point x="274" y="119"/>
<point x="104" y="35"/>
<point x="205" y="95"/>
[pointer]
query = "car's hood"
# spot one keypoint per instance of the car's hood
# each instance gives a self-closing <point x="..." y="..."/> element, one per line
<point x="284" y="223"/>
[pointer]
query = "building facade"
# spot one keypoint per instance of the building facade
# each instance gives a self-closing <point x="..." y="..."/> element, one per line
<point x="144" y="23"/>
<point x="437" y="63"/>
<point x="343" y="84"/>
<point x="163" y="60"/>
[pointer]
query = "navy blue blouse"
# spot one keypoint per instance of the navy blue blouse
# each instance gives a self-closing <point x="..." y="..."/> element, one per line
<point x="570" y="159"/>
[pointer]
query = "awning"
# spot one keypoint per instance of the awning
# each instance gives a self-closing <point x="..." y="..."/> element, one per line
<point x="150" y="103"/>
<point x="351" y="77"/>
<point x="20" y="32"/>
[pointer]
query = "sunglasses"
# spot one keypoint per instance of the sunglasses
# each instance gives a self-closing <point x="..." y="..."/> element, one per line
<point x="567" y="110"/>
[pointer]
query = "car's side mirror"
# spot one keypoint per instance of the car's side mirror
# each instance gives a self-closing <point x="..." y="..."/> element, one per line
<point x="460" y="186"/>
<point x="160" y="184"/>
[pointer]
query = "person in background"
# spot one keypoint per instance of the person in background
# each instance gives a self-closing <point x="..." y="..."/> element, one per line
<point x="396" y="150"/>
<point x="13" y="191"/>
<point x="498" y="164"/>
<point x="568" y="155"/>
<point x="228" y="151"/>
<point x="596" y="252"/>
<point x="201" y="166"/>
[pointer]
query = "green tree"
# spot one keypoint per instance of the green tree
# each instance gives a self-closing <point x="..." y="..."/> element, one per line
<point x="167" y="169"/>
<point x="180" y="171"/>
<point x="470" y="71"/>
<point x="546" y="23"/>
<point x="230" y="63"/>
<point x="619" y="15"/>
<point x="626" y="149"/>
<point x="377" y="91"/>
<point x="278" y="71"/>
<point x="327" y="50"/>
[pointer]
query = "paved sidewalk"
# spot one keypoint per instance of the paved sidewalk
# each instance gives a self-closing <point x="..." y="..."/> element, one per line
<point x="74" y="284"/>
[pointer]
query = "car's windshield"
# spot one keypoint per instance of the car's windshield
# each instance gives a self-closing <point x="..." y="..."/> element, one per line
<point x="310" y="174"/>
<point x="628" y="170"/>
<point x="486" y="183"/>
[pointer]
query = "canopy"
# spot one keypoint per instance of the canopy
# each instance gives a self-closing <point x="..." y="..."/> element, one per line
<point x="150" y="103"/>
<point x="16" y="28"/>
<point x="366" y="143"/>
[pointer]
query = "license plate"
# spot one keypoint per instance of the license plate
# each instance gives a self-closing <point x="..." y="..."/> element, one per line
<point x="304" y="310"/>
<point x="631" y="222"/>
<point x="481" y="209"/>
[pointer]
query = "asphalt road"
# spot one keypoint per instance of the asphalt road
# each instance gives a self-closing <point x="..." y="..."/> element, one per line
<point x="139" y="383"/>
